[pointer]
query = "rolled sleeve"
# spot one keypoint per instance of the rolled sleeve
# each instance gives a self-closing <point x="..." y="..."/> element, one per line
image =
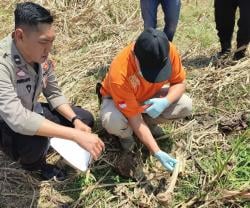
<point x="30" y="123"/>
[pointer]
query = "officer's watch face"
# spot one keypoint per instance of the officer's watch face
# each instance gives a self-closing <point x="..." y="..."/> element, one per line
<point x="37" y="43"/>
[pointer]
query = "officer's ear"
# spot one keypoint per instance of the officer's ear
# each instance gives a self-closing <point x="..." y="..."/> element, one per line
<point x="19" y="33"/>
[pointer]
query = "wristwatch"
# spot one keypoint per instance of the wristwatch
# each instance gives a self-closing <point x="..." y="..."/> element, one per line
<point x="74" y="118"/>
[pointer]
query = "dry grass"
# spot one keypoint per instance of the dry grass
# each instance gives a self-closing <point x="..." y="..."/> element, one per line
<point x="90" y="33"/>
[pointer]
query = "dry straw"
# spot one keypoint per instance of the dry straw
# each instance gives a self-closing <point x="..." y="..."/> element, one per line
<point x="89" y="35"/>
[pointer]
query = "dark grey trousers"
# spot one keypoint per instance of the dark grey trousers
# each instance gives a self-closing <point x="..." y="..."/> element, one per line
<point x="225" y="20"/>
<point x="31" y="150"/>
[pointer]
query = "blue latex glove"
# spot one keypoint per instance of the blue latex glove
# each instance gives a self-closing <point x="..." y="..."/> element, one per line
<point x="157" y="106"/>
<point x="166" y="160"/>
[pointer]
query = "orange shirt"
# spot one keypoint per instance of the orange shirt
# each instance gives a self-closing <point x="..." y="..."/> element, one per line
<point x="128" y="88"/>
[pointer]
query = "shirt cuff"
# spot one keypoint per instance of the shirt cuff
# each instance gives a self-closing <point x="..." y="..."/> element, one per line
<point x="31" y="126"/>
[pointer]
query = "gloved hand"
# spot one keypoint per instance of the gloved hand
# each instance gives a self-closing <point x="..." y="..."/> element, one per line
<point x="166" y="160"/>
<point x="157" y="106"/>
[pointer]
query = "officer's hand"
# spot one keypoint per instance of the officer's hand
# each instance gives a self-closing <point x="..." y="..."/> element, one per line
<point x="81" y="126"/>
<point x="166" y="160"/>
<point x="156" y="106"/>
<point x="91" y="142"/>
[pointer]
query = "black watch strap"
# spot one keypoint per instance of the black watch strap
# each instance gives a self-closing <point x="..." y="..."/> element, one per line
<point x="74" y="118"/>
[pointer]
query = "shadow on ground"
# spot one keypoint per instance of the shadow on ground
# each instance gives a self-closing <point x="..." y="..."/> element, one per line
<point x="197" y="62"/>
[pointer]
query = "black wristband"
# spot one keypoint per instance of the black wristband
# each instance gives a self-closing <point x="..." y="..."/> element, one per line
<point x="74" y="118"/>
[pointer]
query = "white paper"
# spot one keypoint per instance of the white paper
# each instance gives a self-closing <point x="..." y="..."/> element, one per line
<point x="72" y="152"/>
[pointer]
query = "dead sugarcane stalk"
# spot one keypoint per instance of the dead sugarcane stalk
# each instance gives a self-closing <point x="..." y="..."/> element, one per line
<point x="166" y="196"/>
<point x="232" y="194"/>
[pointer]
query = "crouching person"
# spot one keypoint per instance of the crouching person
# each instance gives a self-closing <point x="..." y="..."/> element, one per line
<point x="25" y="72"/>
<point x="134" y="99"/>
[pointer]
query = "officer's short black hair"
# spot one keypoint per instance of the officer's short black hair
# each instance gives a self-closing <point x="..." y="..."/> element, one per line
<point x="31" y="14"/>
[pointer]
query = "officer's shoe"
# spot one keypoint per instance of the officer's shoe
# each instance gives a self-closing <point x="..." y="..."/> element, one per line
<point x="223" y="54"/>
<point x="221" y="59"/>
<point x="239" y="55"/>
<point x="49" y="172"/>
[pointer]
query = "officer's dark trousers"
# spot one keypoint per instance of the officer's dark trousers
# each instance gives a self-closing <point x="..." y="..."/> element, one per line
<point x="31" y="150"/>
<point x="225" y="20"/>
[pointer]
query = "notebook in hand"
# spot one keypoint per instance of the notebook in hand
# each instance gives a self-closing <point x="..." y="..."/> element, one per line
<point x="72" y="153"/>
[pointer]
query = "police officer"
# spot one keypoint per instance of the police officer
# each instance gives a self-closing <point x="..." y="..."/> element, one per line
<point x="25" y="72"/>
<point x="225" y="18"/>
<point x="171" y="10"/>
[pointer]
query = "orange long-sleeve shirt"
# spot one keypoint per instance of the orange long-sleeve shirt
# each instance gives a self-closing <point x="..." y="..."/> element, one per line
<point x="126" y="85"/>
